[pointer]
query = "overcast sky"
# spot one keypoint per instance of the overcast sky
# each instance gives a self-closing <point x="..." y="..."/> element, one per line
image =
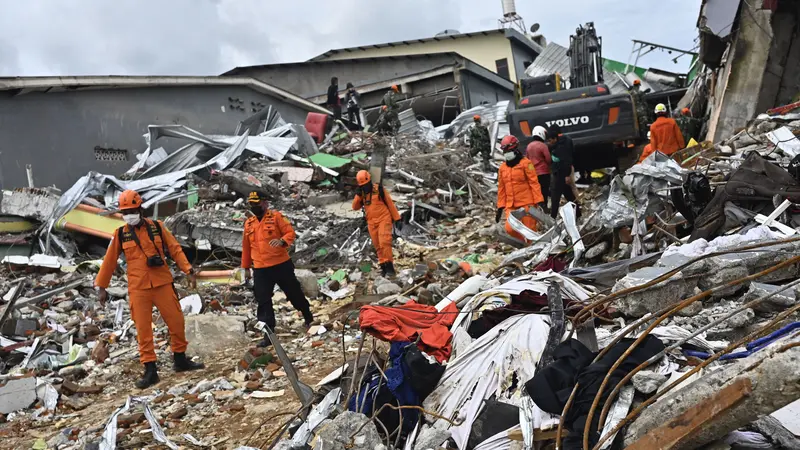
<point x="202" y="37"/>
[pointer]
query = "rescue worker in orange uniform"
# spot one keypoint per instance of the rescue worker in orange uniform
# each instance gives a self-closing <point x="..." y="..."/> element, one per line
<point x="647" y="151"/>
<point x="380" y="213"/>
<point x="265" y="243"/>
<point x="147" y="244"/>
<point x="517" y="186"/>
<point x="665" y="135"/>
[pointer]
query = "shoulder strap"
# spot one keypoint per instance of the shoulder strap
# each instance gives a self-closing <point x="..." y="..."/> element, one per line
<point x="163" y="239"/>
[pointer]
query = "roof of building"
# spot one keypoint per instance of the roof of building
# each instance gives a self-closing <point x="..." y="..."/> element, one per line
<point x="60" y="84"/>
<point x="314" y="62"/>
<point x="511" y="34"/>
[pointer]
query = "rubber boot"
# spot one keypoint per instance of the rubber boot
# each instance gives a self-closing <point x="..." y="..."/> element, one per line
<point x="383" y="270"/>
<point x="184" y="364"/>
<point x="265" y="342"/>
<point x="390" y="270"/>
<point x="150" y="376"/>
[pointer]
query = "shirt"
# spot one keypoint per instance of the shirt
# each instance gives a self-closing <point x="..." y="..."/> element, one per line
<point x="539" y="154"/>
<point x="256" y="250"/>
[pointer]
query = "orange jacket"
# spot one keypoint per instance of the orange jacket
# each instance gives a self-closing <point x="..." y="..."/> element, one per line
<point x="666" y="136"/>
<point x="377" y="210"/>
<point x="648" y="150"/>
<point x="518" y="186"/>
<point x="256" y="250"/>
<point x="140" y="275"/>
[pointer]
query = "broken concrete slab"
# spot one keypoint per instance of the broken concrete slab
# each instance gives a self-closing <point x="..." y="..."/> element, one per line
<point x="648" y="382"/>
<point x="388" y="289"/>
<point x="775" y="303"/>
<point x="336" y="434"/>
<point x="308" y="282"/>
<point x="324" y="199"/>
<point x="209" y="333"/>
<point x="773" y="377"/>
<point x="17" y="394"/>
<point x="654" y="298"/>
<point x="30" y="203"/>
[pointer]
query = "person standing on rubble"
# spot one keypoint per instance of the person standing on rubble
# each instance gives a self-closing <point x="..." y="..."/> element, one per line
<point x="392" y="108"/>
<point x="381" y="214"/>
<point x="686" y="124"/>
<point x="334" y="102"/>
<point x="562" y="151"/>
<point x="352" y="99"/>
<point x="265" y="243"/>
<point x="147" y="244"/>
<point x="640" y="103"/>
<point x="665" y="135"/>
<point x="479" y="141"/>
<point x="539" y="155"/>
<point x="517" y="186"/>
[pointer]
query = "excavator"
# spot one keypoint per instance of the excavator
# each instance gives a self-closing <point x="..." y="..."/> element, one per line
<point x="603" y="127"/>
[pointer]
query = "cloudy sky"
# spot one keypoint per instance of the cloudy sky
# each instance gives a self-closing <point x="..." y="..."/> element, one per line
<point x="202" y="37"/>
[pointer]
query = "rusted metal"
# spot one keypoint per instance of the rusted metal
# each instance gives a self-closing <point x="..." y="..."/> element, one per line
<point x="676" y="431"/>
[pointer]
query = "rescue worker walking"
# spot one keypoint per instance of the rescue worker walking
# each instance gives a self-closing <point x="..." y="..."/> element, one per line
<point x="267" y="237"/>
<point x="539" y="154"/>
<point x="381" y="214"/>
<point x="147" y="244"/>
<point x="517" y="186"/>
<point x="562" y="151"/>
<point x="479" y="141"/>
<point x="665" y="136"/>
<point x="640" y="103"/>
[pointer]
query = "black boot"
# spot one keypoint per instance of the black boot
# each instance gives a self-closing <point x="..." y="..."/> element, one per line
<point x="265" y="342"/>
<point x="150" y="376"/>
<point x="383" y="269"/>
<point x="390" y="270"/>
<point x="184" y="364"/>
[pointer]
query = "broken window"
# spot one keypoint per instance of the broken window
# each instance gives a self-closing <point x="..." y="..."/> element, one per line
<point x="110" y="154"/>
<point x="502" y="68"/>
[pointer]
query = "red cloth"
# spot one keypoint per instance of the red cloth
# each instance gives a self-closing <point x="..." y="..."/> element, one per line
<point x="404" y="323"/>
<point x="539" y="154"/>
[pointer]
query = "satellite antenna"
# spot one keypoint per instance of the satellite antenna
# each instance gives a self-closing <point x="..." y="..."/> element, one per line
<point x="535" y="27"/>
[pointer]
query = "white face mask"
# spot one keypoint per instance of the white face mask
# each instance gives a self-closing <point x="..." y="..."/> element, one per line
<point x="132" y="219"/>
<point x="509" y="156"/>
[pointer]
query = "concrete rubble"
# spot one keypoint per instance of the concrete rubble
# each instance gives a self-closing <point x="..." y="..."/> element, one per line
<point x="683" y="307"/>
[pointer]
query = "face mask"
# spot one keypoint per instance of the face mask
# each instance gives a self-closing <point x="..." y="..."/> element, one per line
<point x="257" y="210"/>
<point x="509" y="156"/>
<point x="132" y="219"/>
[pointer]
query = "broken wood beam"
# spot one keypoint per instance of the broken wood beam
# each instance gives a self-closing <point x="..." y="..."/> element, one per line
<point x="773" y="373"/>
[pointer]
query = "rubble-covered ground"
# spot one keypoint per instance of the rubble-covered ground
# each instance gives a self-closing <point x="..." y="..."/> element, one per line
<point x="667" y="309"/>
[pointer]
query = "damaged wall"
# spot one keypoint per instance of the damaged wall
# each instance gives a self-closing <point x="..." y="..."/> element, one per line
<point x="760" y="71"/>
<point x="60" y="133"/>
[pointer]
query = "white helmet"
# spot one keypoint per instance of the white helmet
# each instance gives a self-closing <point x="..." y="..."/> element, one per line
<point x="540" y="131"/>
<point x="661" y="108"/>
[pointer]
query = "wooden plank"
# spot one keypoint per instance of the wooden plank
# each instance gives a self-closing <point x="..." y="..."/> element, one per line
<point x="672" y="433"/>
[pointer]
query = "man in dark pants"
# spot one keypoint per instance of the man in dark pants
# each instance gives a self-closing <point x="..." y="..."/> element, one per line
<point x="562" y="152"/>
<point x="334" y="102"/>
<point x="352" y="99"/>
<point x="267" y="237"/>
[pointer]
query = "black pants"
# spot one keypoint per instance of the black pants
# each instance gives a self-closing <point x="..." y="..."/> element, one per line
<point x="354" y="116"/>
<point x="282" y="275"/>
<point x="337" y="112"/>
<point x="544" y="182"/>
<point x="559" y="187"/>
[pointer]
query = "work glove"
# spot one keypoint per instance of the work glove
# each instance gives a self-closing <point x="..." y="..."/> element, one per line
<point x="555" y="159"/>
<point x="498" y="215"/>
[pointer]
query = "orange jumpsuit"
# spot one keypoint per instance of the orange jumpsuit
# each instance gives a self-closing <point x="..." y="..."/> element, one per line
<point x="380" y="216"/>
<point x="647" y="151"/>
<point x="148" y="286"/>
<point x="256" y="251"/>
<point x="666" y="136"/>
<point x="518" y="187"/>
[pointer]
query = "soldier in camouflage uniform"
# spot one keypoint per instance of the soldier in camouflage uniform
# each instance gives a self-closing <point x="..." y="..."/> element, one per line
<point x="479" y="141"/>
<point x="686" y="123"/>
<point x="392" y="105"/>
<point x="642" y="110"/>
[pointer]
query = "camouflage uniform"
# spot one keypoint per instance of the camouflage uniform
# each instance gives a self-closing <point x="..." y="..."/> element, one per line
<point x="642" y="110"/>
<point x="479" y="143"/>
<point x="392" y="121"/>
<point x="687" y="125"/>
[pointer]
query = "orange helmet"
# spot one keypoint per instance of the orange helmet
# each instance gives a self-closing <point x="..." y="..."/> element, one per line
<point x="476" y="118"/>
<point x="130" y="200"/>
<point x="363" y="177"/>
<point x="509" y="143"/>
<point x="637" y="82"/>
<point x="685" y="111"/>
<point x="395" y="88"/>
